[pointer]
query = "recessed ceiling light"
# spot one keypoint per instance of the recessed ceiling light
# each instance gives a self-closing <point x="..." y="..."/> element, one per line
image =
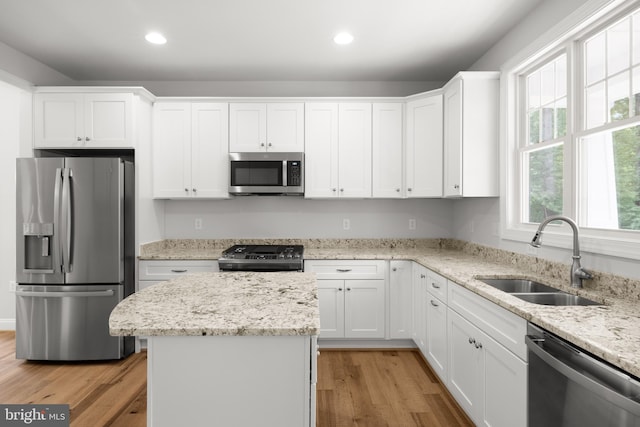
<point x="343" y="38"/>
<point x="155" y="38"/>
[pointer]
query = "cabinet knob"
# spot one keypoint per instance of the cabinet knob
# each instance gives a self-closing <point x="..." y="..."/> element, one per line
<point x="186" y="190"/>
<point x="394" y="269"/>
<point x="472" y="340"/>
<point x="342" y="190"/>
<point x="270" y="145"/>
<point x="79" y="139"/>
<point x="423" y="276"/>
<point x="262" y="145"/>
<point x="87" y="139"/>
<point x="348" y="289"/>
<point x="195" y="190"/>
<point x="456" y="186"/>
<point x="334" y="189"/>
<point x="478" y="345"/>
<point x="397" y="190"/>
<point x="409" y="189"/>
<point x="340" y="289"/>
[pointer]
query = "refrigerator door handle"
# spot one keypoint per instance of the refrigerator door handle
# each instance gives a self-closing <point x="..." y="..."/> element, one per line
<point x="65" y="294"/>
<point x="57" y="225"/>
<point x="67" y="220"/>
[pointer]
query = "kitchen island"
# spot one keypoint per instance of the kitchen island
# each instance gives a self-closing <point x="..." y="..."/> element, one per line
<point x="227" y="348"/>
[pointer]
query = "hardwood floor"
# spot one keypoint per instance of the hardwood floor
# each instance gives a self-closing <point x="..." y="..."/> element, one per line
<point x="382" y="388"/>
<point x="355" y="388"/>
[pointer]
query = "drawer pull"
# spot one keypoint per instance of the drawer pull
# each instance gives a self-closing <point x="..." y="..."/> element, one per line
<point x="435" y="304"/>
<point x="433" y="285"/>
<point x="343" y="270"/>
<point x="179" y="271"/>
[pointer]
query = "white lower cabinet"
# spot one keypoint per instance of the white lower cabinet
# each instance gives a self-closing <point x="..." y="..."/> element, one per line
<point x="436" y="324"/>
<point x="488" y="380"/>
<point x="419" y="332"/>
<point x="351" y="296"/>
<point x="400" y="299"/>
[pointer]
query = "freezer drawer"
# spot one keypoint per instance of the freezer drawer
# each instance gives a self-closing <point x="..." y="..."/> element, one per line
<point x="68" y="323"/>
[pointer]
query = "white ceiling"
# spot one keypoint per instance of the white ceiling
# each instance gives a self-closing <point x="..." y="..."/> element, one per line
<point x="395" y="40"/>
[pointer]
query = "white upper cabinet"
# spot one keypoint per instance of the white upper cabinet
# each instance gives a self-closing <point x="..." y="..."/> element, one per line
<point x="424" y="158"/>
<point x="84" y="120"/>
<point x="190" y="150"/>
<point x="258" y="127"/>
<point x="338" y="150"/>
<point x="387" y="168"/>
<point x="471" y="107"/>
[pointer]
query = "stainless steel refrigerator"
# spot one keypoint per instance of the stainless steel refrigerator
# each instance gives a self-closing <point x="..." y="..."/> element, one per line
<point x="75" y="256"/>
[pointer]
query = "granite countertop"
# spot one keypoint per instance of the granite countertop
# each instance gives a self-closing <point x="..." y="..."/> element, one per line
<point x="244" y="303"/>
<point x="610" y="331"/>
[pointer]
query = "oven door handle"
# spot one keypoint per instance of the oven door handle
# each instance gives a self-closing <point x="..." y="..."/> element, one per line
<point x="590" y="366"/>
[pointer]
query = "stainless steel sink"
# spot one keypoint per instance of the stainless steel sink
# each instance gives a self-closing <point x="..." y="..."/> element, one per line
<point x="558" y="298"/>
<point x="518" y="285"/>
<point x="536" y="292"/>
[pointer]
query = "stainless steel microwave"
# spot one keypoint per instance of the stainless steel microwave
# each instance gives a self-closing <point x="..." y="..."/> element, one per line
<point x="266" y="173"/>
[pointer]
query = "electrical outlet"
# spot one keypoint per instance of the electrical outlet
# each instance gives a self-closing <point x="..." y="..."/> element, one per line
<point x="198" y="224"/>
<point x="346" y="224"/>
<point x="12" y="285"/>
<point x="412" y="224"/>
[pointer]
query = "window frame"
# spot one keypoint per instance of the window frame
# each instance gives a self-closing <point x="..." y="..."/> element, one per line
<point x="568" y="38"/>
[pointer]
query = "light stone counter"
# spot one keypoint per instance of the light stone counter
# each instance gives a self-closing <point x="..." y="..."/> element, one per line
<point x="238" y="304"/>
<point x="610" y="331"/>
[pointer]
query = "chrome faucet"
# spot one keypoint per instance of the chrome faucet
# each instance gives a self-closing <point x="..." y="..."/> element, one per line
<point x="578" y="274"/>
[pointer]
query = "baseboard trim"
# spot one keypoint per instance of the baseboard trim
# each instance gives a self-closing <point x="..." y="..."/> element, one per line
<point x="344" y="344"/>
<point x="7" y="324"/>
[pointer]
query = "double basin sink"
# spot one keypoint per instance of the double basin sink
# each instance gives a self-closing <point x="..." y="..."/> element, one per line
<point x="537" y="293"/>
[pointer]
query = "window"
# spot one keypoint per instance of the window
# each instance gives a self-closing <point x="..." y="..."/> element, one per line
<point x="576" y="133"/>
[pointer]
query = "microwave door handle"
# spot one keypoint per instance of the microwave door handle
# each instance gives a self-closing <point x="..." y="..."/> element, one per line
<point x="284" y="173"/>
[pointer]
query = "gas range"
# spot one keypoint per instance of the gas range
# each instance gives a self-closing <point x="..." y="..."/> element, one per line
<point x="262" y="258"/>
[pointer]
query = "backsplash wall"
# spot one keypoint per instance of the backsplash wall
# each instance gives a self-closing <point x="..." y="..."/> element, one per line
<point x="296" y="217"/>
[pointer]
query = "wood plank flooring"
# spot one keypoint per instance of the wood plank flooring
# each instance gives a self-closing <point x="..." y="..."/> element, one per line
<point x="355" y="388"/>
<point x="382" y="388"/>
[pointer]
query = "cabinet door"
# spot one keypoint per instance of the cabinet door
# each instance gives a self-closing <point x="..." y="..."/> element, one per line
<point x="505" y="387"/>
<point x="387" y="150"/>
<point x="247" y="127"/>
<point x="321" y="150"/>
<point x="401" y="299"/>
<point x="453" y="139"/>
<point x="210" y="150"/>
<point x="418" y="298"/>
<point x="436" y="336"/>
<point x="354" y="150"/>
<point x="424" y="161"/>
<point x="364" y="309"/>
<point x="58" y="120"/>
<point x="172" y="150"/>
<point x="108" y="120"/>
<point x="331" y="304"/>
<point x="465" y="362"/>
<point x="285" y="127"/>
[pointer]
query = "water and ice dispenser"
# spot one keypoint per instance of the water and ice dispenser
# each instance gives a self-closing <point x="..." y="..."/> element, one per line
<point x="38" y="238"/>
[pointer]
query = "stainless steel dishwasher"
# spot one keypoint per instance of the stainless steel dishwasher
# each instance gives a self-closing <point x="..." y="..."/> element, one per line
<point x="569" y="387"/>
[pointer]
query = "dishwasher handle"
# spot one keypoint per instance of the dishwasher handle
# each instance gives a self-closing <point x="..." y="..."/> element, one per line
<point x="593" y="368"/>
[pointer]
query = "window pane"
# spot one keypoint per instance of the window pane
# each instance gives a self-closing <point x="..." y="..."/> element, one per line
<point x="619" y="97"/>
<point x="547" y="84"/>
<point x="595" y="52"/>
<point x="610" y="179"/>
<point x="533" y="90"/>
<point x="561" y="77"/>
<point x="596" y="114"/>
<point x="534" y="127"/>
<point x="618" y="47"/>
<point x="636" y="90"/>
<point x="545" y="183"/>
<point x="636" y="38"/>
<point x="561" y="118"/>
<point x="548" y="115"/>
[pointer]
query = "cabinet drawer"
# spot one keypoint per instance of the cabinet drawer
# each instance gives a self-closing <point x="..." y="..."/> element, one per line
<point x="167" y="270"/>
<point x="346" y="269"/>
<point x="500" y="324"/>
<point x="437" y="285"/>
